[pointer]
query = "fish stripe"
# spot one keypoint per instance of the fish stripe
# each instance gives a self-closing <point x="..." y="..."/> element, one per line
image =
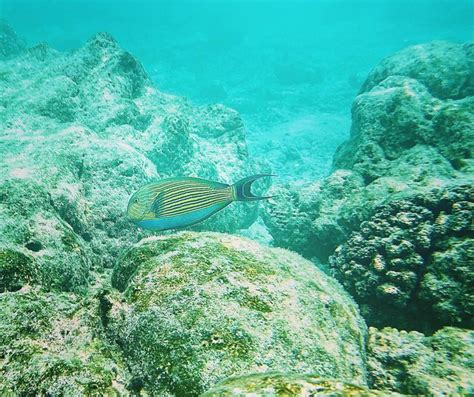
<point x="182" y="199"/>
<point x="194" y="206"/>
<point x="174" y="195"/>
<point x="166" y="193"/>
<point x="153" y="188"/>
<point x="173" y="204"/>
<point x="158" y="189"/>
<point x="190" y="205"/>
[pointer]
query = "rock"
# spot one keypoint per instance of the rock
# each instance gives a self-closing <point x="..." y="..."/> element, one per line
<point x="289" y="385"/>
<point x="410" y="265"/>
<point x="444" y="68"/>
<point x="411" y="143"/>
<point x="198" y="307"/>
<point x="87" y="132"/>
<point x="404" y="103"/>
<point x="50" y="345"/>
<point x="315" y="218"/>
<point x="409" y="362"/>
<point x="36" y="246"/>
<point x="10" y="44"/>
<point x="61" y="207"/>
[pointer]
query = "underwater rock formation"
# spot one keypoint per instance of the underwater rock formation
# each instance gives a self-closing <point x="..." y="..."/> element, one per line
<point x="410" y="265"/>
<point x="444" y="68"/>
<point x="409" y="362"/>
<point x="10" y="44"/>
<point x="198" y="307"/>
<point x="37" y="247"/>
<point x="314" y="219"/>
<point x="289" y="385"/>
<point x="427" y="100"/>
<point x="411" y="137"/>
<point x="51" y="344"/>
<point x="80" y="133"/>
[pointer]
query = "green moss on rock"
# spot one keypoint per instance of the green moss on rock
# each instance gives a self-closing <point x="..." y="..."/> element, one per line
<point x="275" y="384"/>
<point x="50" y="344"/>
<point x="201" y="306"/>
<point x="16" y="270"/>
<point x="409" y="362"/>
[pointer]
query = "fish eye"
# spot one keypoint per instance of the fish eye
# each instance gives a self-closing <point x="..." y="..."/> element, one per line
<point x="135" y="201"/>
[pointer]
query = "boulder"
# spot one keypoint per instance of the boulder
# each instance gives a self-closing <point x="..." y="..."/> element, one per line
<point x="444" y="68"/>
<point x="199" y="307"/>
<point x="412" y="363"/>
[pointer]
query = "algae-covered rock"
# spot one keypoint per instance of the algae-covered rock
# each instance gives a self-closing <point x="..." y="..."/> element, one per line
<point x="315" y="218"/>
<point x="103" y="94"/>
<point x="444" y="68"/>
<point x="404" y="103"/>
<point x="276" y="384"/>
<point x="409" y="362"/>
<point x="410" y="265"/>
<point x="89" y="130"/>
<point x="36" y="246"/>
<point x="404" y="171"/>
<point x="199" y="307"/>
<point x="50" y="345"/>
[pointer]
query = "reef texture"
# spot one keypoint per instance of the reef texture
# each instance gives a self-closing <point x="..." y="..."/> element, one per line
<point x="276" y="384"/>
<point x="199" y="307"/>
<point x="80" y="133"/>
<point x="410" y="265"/>
<point x="179" y="313"/>
<point x="396" y="215"/>
<point x="404" y="103"/>
<point x="51" y="345"/>
<point x="409" y="362"/>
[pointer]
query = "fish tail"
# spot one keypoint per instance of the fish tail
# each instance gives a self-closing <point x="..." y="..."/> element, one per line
<point x="242" y="188"/>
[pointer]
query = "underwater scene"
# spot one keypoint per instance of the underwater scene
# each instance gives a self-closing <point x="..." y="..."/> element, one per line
<point x="236" y="198"/>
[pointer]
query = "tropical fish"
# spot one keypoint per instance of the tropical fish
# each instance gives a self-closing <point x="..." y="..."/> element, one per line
<point x="174" y="203"/>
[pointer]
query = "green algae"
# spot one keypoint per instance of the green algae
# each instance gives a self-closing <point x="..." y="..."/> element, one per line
<point x="50" y="345"/>
<point x="279" y="384"/>
<point x="207" y="305"/>
<point x="16" y="270"/>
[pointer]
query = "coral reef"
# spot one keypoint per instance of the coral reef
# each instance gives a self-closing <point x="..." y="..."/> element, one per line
<point x="404" y="103"/>
<point x="315" y="218"/>
<point x="88" y="306"/>
<point x="289" y="385"/>
<point x="382" y="215"/>
<point x="409" y="362"/>
<point x="444" y="68"/>
<point x="410" y="265"/>
<point x="200" y="307"/>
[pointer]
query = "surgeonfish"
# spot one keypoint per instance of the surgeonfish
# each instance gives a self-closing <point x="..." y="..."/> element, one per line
<point x="174" y="203"/>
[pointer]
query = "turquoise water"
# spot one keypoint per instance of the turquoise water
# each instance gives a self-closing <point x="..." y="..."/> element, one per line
<point x="290" y="68"/>
<point x="236" y="198"/>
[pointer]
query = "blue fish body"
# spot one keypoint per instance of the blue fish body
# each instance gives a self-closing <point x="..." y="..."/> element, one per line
<point x="174" y="203"/>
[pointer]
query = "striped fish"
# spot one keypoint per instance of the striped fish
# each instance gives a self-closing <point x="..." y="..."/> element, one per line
<point x="173" y="203"/>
